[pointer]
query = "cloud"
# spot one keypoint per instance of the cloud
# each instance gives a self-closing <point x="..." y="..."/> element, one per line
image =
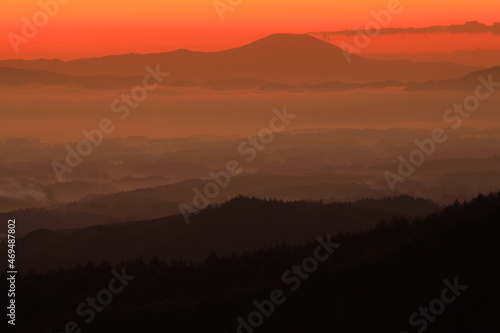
<point x="472" y="27"/>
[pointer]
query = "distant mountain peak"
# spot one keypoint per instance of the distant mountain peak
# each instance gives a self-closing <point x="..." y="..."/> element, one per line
<point x="291" y="41"/>
<point x="290" y="37"/>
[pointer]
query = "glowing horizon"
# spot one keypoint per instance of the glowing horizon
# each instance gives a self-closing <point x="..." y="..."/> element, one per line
<point x="93" y="29"/>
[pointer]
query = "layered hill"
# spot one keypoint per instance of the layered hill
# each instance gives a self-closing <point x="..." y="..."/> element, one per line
<point x="241" y="224"/>
<point x="467" y="82"/>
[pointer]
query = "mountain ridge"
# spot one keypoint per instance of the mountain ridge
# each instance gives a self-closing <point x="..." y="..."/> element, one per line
<point x="286" y="58"/>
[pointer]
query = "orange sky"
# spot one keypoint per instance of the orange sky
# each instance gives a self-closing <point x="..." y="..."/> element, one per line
<point x="85" y="28"/>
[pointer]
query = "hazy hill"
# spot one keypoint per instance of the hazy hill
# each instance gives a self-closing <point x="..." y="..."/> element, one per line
<point x="13" y="76"/>
<point x="468" y="82"/>
<point x="20" y="77"/>
<point x="242" y="224"/>
<point x="30" y="219"/>
<point x="17" y="77"/>
<point x="478" y="57"/>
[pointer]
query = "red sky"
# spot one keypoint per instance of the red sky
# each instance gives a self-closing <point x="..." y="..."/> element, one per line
<point x="97" y="28"/>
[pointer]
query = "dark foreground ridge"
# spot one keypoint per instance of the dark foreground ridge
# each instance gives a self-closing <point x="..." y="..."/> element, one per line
<point x="373" y="282"/>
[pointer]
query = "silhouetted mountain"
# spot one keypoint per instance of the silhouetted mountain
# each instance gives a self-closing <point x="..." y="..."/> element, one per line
<point x="162" y="201"/>
<point x="284" y="58"/>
